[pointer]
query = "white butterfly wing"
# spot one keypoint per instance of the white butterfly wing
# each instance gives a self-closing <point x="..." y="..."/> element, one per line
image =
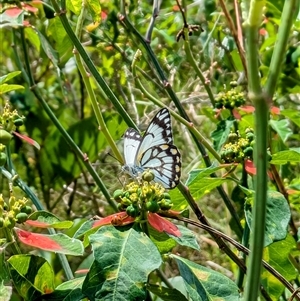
<point x="154" y="151"/>
<point x="158" y="132"/>
<point x="132" y="140"/>
<point x="164" y="161"/>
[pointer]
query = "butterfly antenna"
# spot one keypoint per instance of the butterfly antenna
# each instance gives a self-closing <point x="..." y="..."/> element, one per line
<point x="109" y="154"/>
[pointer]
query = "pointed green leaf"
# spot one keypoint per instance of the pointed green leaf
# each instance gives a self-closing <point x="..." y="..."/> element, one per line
<point x="45" y="219"/>
<point x="124" y="257"/>
<point x="199" y="182"/>
<point x="4" y="88"/>
<point x="50" y="52"/>
<point x="293" y="115"/>
<point x="59" y="243"/>
<point x="206" y="284"/>
<point x="7" y="77"/>
<point x="277" y="255"/>
<point x="68" y="291"/>
<point x="197" y="174"/>
<point x="204" y="186"/>
<point x="94" y="9"/>
<point x="220" y="134"/>
<point x="32" y="275"/>
<point x="282" y="128"/>
<point x="187" y="238"/>
<point x="163" y="242"/>
<point x="277" y="218"/>
<point x="166" y="294"/>
<point x="286" y="156"/>
<point x="33" y="37"/>
<point x="63" y="44"/>
<point x="75" y="6"/>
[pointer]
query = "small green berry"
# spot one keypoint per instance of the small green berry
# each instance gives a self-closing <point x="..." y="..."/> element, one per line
<point x="21" y="217"/>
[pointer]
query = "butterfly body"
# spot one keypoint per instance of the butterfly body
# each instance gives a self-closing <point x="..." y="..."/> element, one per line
<point x="154" y="151"/>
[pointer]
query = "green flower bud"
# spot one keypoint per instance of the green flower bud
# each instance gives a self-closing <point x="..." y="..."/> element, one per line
<point x="248" y="151"/>
<point x="5" y="137"/>
<point x="21" y="217"/>
<point x="152" y="206"/>
<point x="26" y="209"/>
<point x="18" y="122"/>
<point x="166" y="204"/>
<point x="118" y="195"/>
<point x="148" y="176"/>
<point x="3" y="158"/>
<point x="132" y="211"/>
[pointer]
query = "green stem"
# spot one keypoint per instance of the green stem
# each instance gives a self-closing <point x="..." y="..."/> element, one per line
<point x="87" y="60"/>
<point x="86" y="80"/>
<point x="260" y="157"/>
<point x="65" y="135"/>
<point x="289" y="9"/>
<point x="191" y="60"/>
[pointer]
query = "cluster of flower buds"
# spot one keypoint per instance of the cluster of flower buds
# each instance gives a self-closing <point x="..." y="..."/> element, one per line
<point x="14" y="211"/>
<point x="230" y="99"/>
<point x="145" y="196"/>
<point x="9" y="120"/>
<point x="238" y="148"/>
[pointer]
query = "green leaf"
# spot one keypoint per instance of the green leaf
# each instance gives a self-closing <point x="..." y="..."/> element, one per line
<point x="4" y="88"/>
<point x="200" y="184"/>
<point x="220" y="134"/>
<point x="187" y="238"/>
<point x="67" y="291"/>
<point x="205" y="284"/>
<point x="200" y="188"/>
<point x="63" y="45"/>
<point x="50" y="52"/>
<point x="198" y="174"/>
<point x="32" y="275"/>
<point x="293" y="115"/>
<point x="33" y="37"/>
<point x="45" y="219"/>
<point x="277" y="255"/>
<point x="7" y="77"/>
<point x="282" y="128"/>
<point x="179" y="202"/>
<point x="277" y="217"/>
<point x="59" y="243"/>
<point x="166" y="294"/>
<point x="163" y="242"/>
<point x="124" y="257"/>
<point x="94" y="9"/>
<point x="75" y="6"/>
<point x="5" y="292"/>
<point x="286" y="156"/>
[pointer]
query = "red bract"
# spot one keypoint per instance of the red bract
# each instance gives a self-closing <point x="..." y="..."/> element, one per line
<point x="247" y="109"/>
<point x="163" y="225"/>
<point x="117" y="219"/>
<point x="38" y="224"/>
<point x="40" y="241"/>
<point x="28" y="140"/>
<point x="13" y="12"/>
<point x="236" y="114"/>
<point x="250" y="168"/>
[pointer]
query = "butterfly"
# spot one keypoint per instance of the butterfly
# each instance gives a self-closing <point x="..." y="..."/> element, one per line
<point x="154" y="151"/>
